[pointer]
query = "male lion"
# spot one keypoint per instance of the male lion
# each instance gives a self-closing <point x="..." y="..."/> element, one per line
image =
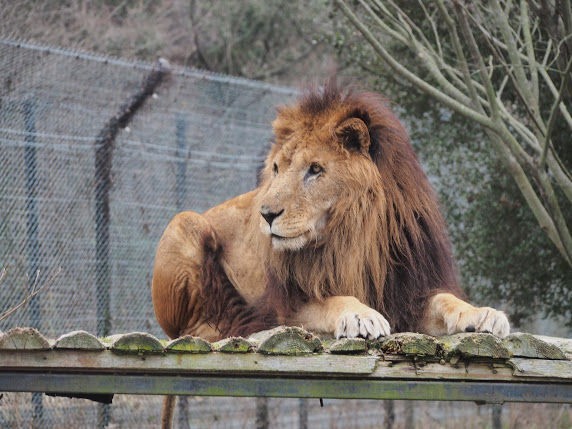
<point x="343" y="236"/>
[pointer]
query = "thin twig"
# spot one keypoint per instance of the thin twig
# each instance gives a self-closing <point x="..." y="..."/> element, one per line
<point x="553" y="112"/>
<point x="529" y="44"/>
<point x="35" y="291"/>
<point x="461" y="59"/>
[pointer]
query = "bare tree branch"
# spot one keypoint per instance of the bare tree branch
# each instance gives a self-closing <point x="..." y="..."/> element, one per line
<point x="554" y="112"/>
<point x="507" y="106"/>
<point x="31" y="294"/>
<point x="411" y="77"/>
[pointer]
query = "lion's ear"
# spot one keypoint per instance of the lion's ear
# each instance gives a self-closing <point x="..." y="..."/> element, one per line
<point x="354" y="135"/>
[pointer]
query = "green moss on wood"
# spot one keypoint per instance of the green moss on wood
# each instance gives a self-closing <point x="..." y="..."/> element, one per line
<point x="348" y="346"/>
<point x="188" y="344"/>
<point x="408" y="343"/>
<point x="233" y="345"/>
<point x="137" y="342"/>
<point x="286" y="340"/>
<point x="474" y="345"/>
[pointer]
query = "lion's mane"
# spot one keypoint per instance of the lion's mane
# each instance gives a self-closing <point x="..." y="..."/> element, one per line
<point x="387" y="246"/>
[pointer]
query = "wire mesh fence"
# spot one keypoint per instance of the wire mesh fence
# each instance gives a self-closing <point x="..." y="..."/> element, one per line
<point x="97" y="154"/>
<point x="197" y="140"/>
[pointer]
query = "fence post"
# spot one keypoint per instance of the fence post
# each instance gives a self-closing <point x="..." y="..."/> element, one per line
<point x="103" y="161"/>
<point x="181" y="177"/>
<point x="181" y="191"/>
<point x="104" y="149"/>
<point x="183" y="414"/>
<point x="32" y="241"/>
<point x="303" y="413"/>
<point x="262" y="413"/>
<point x="389" y="408"/>
<point x="409" y="414"/>
<point x="497" y="416"/>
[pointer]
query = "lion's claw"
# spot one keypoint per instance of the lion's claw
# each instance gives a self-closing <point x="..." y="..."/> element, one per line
<point x="369" y="324"/>
<point x="481" y="319"/>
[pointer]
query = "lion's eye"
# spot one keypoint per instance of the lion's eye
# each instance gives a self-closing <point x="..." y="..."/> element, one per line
<point x="315" y="169"/>
<point x="275" y="169"/>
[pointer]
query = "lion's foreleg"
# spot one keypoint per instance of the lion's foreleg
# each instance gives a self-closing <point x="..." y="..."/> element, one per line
<point x="447" y="314"/>
<point x="342" y="316"/>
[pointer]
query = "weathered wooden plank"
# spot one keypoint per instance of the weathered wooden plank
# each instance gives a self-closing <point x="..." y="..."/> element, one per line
<point x="410" y="344"/>
<point x="23" y="339"/>
<point x="526" y="345"/>
<point x="78" y="340"/>
<point x="276" y="386"/>
<point x="188" y="344"/>
<point x="474" y="345"/>
<point x="286" y="340"/>
<point x="348" y="346"/>
<point x="136" y="342"/>
<point x="326" y="365"/>
<point x="233" y="345"/>
<point x="564" y="344"/>
<point x="542" y="368"/>
<point x="181" y="363"/>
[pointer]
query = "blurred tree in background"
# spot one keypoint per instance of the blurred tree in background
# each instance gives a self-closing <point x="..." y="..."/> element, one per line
<point x="474" y="77"/>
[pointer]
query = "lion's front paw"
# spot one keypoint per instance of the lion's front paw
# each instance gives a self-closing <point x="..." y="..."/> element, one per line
<point x="367" y="324"/>
<point x="481" y="319"/>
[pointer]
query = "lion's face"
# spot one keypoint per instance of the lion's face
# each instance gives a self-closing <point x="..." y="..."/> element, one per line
<point x="309" y="172"/>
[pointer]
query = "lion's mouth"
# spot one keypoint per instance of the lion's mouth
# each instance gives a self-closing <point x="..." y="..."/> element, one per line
<point x="283" y="237"/>
<point x="280" y="242"/>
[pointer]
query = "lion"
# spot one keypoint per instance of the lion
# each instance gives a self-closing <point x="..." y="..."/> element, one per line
<point x="343" y="236"/>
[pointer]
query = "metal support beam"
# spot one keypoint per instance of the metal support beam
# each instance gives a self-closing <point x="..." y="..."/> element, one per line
<point x="287" y="387"/>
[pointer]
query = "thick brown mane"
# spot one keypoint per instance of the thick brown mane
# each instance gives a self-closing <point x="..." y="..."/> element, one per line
<point x="386" y="243"/>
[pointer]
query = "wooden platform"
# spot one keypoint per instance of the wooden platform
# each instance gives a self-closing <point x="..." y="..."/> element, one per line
<point x="290" y="362"/>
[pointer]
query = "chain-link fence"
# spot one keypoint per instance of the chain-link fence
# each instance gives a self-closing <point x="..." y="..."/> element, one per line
<point x="97" y="154"/>
<point x="197" y="140"/>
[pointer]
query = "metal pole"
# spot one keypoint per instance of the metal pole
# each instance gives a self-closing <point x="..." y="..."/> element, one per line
<point x="303" y="416"/>
<point x="262" y="413"/>
<point x="389" y="407"/>
<point x="104" y="149"/>
<point x="181" y="193"/>
<point x="32" y="240"/>
<point x="497" y="416"/>
<point x="409" y="415"/>
<point x="181" y="178"/>
<point x="183" y="415"/>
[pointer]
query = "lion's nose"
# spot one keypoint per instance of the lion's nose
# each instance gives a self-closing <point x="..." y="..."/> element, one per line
<point x="269" y="215"/>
